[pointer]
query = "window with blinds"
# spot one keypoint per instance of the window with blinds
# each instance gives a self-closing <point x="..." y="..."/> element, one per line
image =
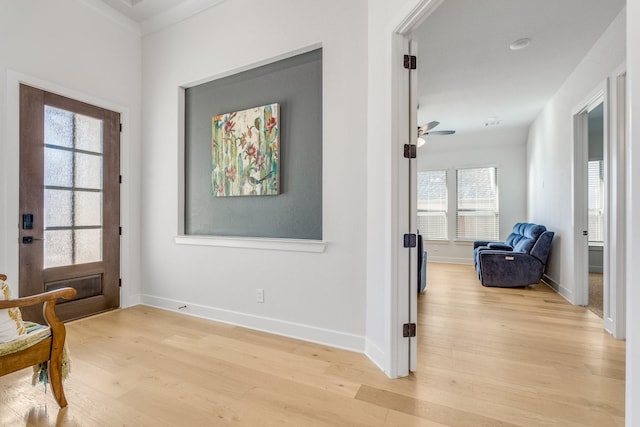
<point x="595" y="175"/>
<point x="477" y="216"/>
<point x="432" y="205"/>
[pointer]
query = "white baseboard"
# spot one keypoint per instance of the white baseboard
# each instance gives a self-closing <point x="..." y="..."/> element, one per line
<point x="376" y="355"/>
<point x="449" y="260"/>
<point x="313" y="334"/>
<point x="563" y="291"/>
<point x="130" y="301"/>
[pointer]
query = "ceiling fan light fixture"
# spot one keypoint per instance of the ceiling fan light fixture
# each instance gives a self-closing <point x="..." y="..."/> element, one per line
<point x="427" y="127"/>
<point x="420" y="141"/>
<point x="520" y="44"/>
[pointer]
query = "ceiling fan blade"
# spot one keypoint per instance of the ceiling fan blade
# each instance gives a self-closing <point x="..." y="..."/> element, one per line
<point x="426" y="128"/>
<point x="441" y="132"/>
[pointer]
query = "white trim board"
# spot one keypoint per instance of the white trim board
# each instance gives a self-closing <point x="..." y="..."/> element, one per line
<point x="558" y="288"/>
<point x="291" y="245"/>
<point x="341" y="340"/>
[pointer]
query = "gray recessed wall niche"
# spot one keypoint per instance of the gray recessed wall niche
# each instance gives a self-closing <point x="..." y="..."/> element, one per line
<point x="296" y="213"/>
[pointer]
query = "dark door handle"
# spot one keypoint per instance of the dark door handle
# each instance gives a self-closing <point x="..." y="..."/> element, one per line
<point x="27" y="240"/>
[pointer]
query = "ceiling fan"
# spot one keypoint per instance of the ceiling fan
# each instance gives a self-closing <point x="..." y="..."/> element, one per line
<point x="426" y="130"/>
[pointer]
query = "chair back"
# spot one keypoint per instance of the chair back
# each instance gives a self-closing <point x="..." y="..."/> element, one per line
<point x="527" y="236"/>
<point x="542" y="247"/>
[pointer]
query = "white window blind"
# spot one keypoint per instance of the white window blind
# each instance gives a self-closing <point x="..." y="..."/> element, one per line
<point x="432" y="205"/>
<point x="596" y="200"/>
<point x="477" y="216"/>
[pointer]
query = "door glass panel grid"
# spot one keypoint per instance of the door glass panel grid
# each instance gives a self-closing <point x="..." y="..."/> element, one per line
<point x="73" y="188"/>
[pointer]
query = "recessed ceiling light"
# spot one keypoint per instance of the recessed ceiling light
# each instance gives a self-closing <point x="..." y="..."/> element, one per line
<point x="520" y="44"/>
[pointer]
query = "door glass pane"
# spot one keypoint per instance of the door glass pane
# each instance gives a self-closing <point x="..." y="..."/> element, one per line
<point x="88" y="133"/>
<point x="58" y="167"/>
<point x="58" y="127"/>
<point x="58" y="248"/>
<point x="88" y="170"/>
<point x="87" y="208"/>
<point x="73" y="165"/>
<point x="86" y="247"/>
<point x="58" y="212"/>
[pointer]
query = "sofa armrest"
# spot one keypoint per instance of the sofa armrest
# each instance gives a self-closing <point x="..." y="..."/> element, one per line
<point x="479" y="243"/>
<point x="509" y="269"/>
<point x="500" y="246"/>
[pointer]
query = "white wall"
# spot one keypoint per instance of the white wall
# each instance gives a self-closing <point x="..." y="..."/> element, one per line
<point x="633" y="213"/>
<point x="502" y="148"/>
<point x="550" y="152"/>
<point x="314" y="296"/>
<point x="65" y="47"/>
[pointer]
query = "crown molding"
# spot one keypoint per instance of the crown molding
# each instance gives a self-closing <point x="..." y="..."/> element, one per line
<point x="115" y="16"/>
<point x="156" y="23"/>
<point x="175" y="15"/>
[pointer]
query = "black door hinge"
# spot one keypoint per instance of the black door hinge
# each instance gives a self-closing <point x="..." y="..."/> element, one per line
<point x="409" y="330"/>
<point x="410" y="151"/>
<point x="410" y="62"/>
<point x="410" y="240"/>
<point x="120" y="179"/>
<point x="120" y="127"/>
<point x="120" y="282"/>
<point x="120" y="230"/>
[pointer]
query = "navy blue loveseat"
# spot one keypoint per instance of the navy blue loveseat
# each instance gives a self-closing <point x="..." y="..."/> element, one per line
<point x="518" y="261"/>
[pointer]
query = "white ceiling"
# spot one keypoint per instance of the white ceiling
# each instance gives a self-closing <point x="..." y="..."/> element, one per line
<point x="467" y="73"/>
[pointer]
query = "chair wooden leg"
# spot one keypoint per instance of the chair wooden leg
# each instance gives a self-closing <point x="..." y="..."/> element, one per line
<point x="55" y="378"/>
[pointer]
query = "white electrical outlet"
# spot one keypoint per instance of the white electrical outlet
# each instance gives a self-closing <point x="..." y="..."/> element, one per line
<point x="260" y="295"/>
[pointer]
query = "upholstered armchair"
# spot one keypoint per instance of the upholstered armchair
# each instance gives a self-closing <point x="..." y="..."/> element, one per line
<point x="25" y="344"/>
<point x="518" y="261"/>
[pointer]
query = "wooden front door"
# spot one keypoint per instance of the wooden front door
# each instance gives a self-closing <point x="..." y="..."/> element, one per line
<point x="69" y="202"/>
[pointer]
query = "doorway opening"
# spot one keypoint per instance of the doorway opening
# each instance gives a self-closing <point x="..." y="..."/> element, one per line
<point x="596" y="184"/>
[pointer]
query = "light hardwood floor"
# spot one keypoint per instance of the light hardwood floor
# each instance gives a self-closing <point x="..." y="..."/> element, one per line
<point x="488" y="357"/>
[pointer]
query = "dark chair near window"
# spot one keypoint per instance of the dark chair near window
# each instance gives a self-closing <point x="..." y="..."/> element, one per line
<point x="518" y="261"/>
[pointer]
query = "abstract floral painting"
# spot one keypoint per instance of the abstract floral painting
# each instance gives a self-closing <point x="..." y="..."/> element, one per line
<point x="245" y="152"/>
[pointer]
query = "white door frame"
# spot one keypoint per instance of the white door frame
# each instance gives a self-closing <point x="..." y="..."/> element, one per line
<point x="580" y="198"/>
<point x="615" y="303"/>
<point x="404" y="116"/>
<point x="612" y="93"/>
<point x="615" y="321"/>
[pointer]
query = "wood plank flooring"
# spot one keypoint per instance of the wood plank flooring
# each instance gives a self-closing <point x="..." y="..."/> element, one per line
<point x="487" y="357"/>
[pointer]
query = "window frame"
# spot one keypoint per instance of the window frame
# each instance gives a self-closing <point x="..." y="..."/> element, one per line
<point x="496" y="213"/>
<point x="435" y="212"/>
